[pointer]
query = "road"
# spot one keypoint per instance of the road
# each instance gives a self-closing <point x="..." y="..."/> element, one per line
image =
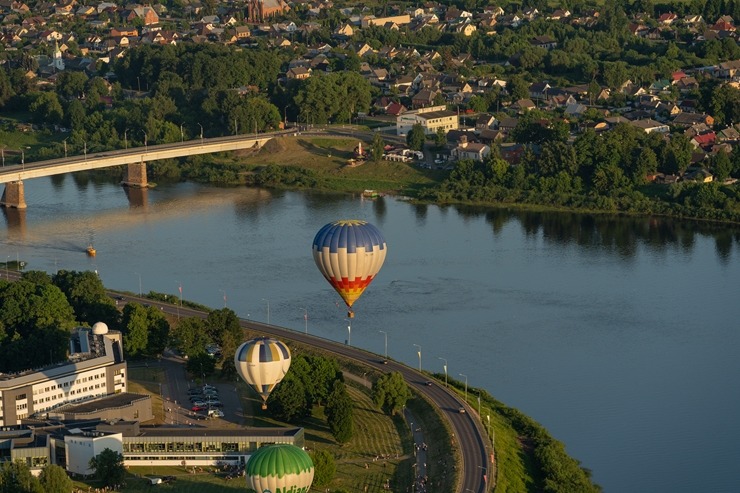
<point x="469" y="438"/>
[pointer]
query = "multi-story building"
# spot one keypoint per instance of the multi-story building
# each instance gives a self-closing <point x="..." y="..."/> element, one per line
<point x="95" y="368"/>
<point x="431" y="119"/>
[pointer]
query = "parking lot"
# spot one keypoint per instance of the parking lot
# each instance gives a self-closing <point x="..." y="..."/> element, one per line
<point x="177" y="404"/>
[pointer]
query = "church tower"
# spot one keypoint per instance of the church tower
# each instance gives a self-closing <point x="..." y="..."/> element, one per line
<point x="58" y="62"/>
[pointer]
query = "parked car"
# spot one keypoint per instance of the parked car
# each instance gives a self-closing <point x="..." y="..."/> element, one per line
<point x="199" y="403"/>
<point x="198" y="408"/>
<point x="196" y="397"/>
<point x="215" y="413"/>
<point x="214" y="403"/>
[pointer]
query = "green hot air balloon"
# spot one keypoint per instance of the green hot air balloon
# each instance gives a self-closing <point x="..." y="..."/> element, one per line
<point x="281" y="468"/>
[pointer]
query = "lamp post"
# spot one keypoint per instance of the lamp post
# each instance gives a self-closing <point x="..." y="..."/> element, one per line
<point x="23" y="159"/>
<point x="138" y="83"/>
<point x="125" y="139"/>
<point x="478" y="402"/>
<point x="201" y="132"/>
<point x="236" y="127"/>
<point x="305" y="319"/>
<point x="182" y="134"/>
<point x="349" y="331"/>
<point x="466" y="386"/>
<point x="445" y="368"/>
<point x="224" y="293"/>
<point x="7" y="261"/>
<point x="419" y="353"/>
<point x="386" y="343"/>
<point x="139" y="283"/>
<point x="85" y="149"/>
<point x="146" y="146"/>
<point x="65" y="150"/>
<point x="2" y="150"/>
<point x="268" y="310"/>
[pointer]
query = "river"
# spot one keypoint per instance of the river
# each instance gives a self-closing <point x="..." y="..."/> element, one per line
<point x="620" y="335"/>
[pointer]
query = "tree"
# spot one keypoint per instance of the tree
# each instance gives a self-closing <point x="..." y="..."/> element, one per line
<point x="339" y="413"/>
<point x="416" y="137"/>
<point x="722" y="166"/>
<point x="440" y="139"/>
<point x="323" y="466"/>
<point x="135" y="328"/>
<point x="189" y="336"/>
<point x="378" y="147"/>
<point x="54" y="479"/>
<point x="288" y="402"/>
<point x="108" y="467"/>
<point x="46" y="108"/>
<point x="201" y="365"/>
<point x="16" y="477"/>
<point x="390" y="392"/>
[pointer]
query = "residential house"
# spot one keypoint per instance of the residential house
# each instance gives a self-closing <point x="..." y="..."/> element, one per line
<point x="560" y="14"/>
<point x="648" y="126"/>
<point x="538" y="90"/>
<point x="544" y="41"/>
<point x="507" y="124"/>
<point x="485" y="122"/>
<point x="523" y="105"/>
<point x="146" y="14"/>
<point x="704" y="141"/>
<point x="424" y="98"/>
<point x="262" y="10"/>
<point x="687" y="119"/>
<point x="729" y="134"/>
<point x="667" y="19"/>
<point x="470" y="150"/>
<point x="298" y="73"/>
<point x="728" y="70"/>
<point x="344" y="31"/>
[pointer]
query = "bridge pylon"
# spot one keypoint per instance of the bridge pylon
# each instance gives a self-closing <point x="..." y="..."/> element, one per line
<point x="13" y="195"/>
<point x="136" y="175"/>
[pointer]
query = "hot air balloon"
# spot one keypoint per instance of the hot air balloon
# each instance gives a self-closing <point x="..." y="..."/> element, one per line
<point x="349" y="253"/>
<point x="281" y="468"/>
<point x="262" y="363"/>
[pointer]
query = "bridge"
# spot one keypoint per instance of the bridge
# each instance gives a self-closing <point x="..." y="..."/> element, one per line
<point x="135" y="157"/>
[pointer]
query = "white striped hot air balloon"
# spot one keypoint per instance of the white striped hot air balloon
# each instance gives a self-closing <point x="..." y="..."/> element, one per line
<point x="281" y="468"/>
<point x="262" y="363"/>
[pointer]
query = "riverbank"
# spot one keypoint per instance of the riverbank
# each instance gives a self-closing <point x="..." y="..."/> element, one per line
<point x="320" y="163"/>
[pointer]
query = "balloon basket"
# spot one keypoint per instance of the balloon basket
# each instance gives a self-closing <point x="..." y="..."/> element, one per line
<point x="264" y="407"/>
<point x="351" y="314"/>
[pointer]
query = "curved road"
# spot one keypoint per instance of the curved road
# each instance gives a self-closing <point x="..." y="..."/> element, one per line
<point x="468" y="436"/>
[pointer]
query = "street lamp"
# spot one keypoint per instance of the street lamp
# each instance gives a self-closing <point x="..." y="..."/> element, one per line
<point x="386" y="343"/>
<point x="2" y="151"/>
<point x="85" y="149"/>
<point x="139" y="283"/>
<point x="201" y="132"/>
<point x="146" y="147"/>
<point x="479" y="402"/>
<point x="224" y="293"/>
<point x="268" y="310"/>
<point x="466" y="386"/>
<point x="7" y="261"/>
<point x="65" y="150"/>
<point x="23" y="158"/>
<point x="305" y="319"/>
<point x="125" y="139"/>
<point x="349" y="331"/>
<point x="182" y="135"/>
<point x="236" y="128"/>
<point x="445" y="367"/>
<point x="419" y="353"/>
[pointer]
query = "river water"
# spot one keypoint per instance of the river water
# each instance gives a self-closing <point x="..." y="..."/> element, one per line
<point x="620" y="335"/>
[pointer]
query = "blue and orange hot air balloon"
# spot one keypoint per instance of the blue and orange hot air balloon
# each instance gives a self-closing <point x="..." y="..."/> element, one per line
<point x="349" y="253"/>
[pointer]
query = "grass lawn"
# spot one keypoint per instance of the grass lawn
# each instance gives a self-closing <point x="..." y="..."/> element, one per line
<point x="328" y="156"/>
<point x="146" y="381"/>
<point x="206" y="482"/>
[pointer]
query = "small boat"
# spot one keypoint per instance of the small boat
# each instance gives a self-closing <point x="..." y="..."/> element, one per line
<point x="91" y="251"/>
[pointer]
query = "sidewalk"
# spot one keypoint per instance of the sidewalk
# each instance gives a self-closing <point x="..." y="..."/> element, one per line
<point x="420" y="451"/>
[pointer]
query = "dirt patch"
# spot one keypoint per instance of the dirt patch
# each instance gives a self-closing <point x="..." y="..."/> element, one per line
<point x="273" y="146"/>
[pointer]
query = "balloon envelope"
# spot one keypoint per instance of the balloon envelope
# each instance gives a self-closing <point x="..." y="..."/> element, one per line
<point x="281" y="468"/>
<point x="262" y="363"/>
<point x="349" y="253"/>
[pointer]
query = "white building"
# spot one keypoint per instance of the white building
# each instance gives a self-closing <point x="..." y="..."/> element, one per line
<point x="431" y="119"/>
<point x="81" y="446"/>
<point x="95" y="368"/>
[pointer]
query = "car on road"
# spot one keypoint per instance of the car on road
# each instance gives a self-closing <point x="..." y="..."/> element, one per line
<point x="428" y="383"/>
<point x="461" y="410"/>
